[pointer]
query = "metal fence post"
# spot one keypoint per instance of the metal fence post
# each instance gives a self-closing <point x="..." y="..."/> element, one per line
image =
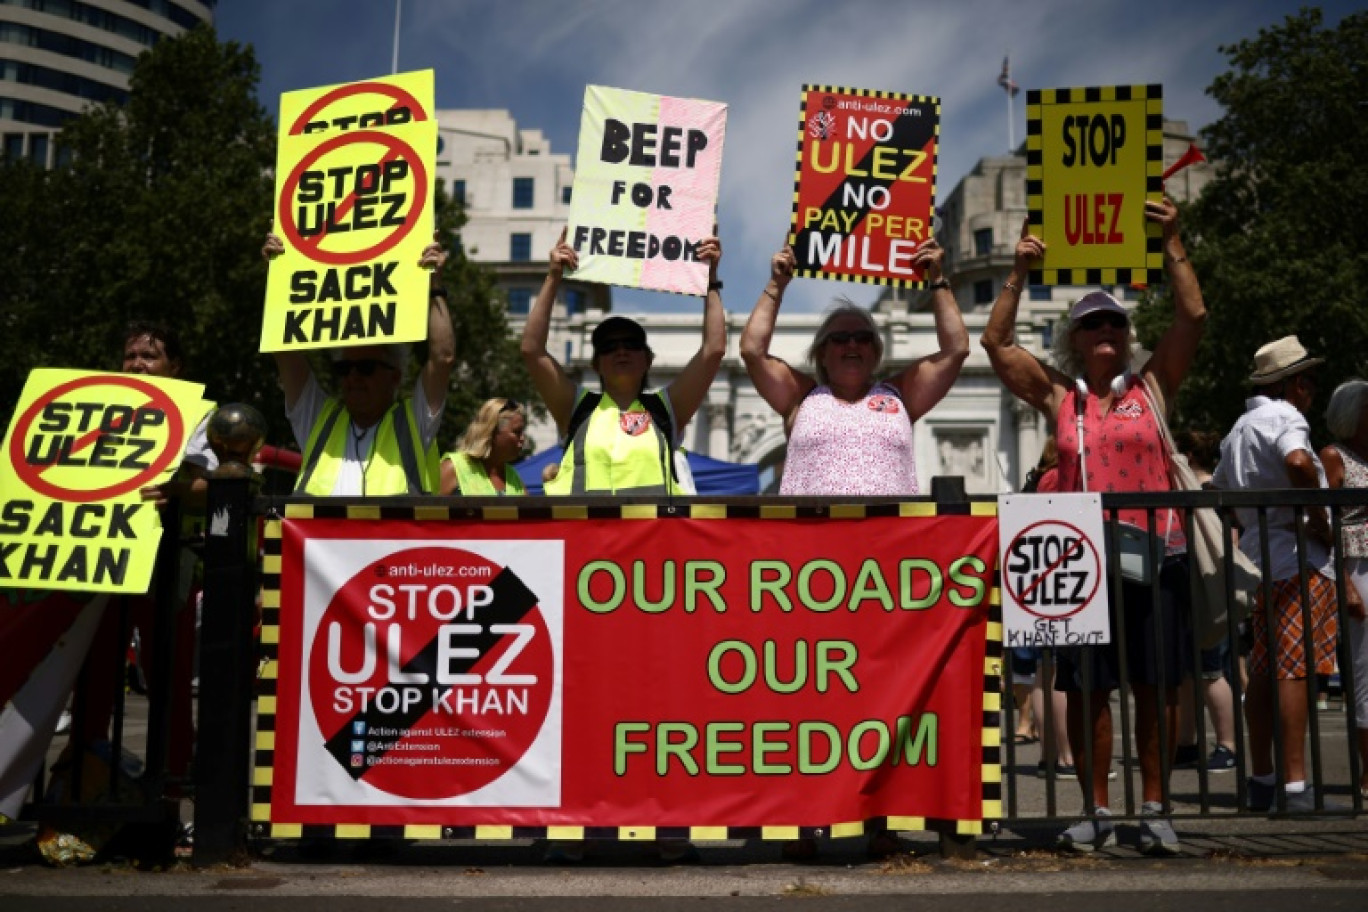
<point x="227" y="673"/>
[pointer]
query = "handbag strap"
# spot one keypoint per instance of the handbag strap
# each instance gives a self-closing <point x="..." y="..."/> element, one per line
<point x="1159" y="418"/>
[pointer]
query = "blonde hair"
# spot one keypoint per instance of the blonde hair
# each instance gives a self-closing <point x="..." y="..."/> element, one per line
<point x="844" y="308"/>
<point x="478" y="440"/>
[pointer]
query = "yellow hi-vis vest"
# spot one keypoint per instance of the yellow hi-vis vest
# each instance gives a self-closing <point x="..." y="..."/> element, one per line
<point x="473" y="481"/>
<point x="617" y="452"/>
<point x="396" y="465"/>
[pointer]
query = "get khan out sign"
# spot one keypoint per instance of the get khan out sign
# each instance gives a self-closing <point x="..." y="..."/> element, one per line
<point x="865" y="187"/>
<point x="696" y="672"/>
<point x="78" y="450"/>
<point x="354" y="181"/>
<point x="645" y="189"/>
<point x="1093" y="157"/>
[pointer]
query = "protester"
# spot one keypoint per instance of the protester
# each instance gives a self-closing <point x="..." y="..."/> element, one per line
<point x="834" y="448"/>
<point x="1346" y="466"/>
<point x="1092" y="394"/>
<point x="482" y="466"/>
<point x="1202" y="449"/>
<point x="1270" y="448"/>
<point x="366" y="439"/>
<point x="620" y="441"/>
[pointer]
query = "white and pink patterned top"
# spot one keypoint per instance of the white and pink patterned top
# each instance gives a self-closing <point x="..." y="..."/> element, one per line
<point x="1354" y="532"/>
<point x="839" y="447"/>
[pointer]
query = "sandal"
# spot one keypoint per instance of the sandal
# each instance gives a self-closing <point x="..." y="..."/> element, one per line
<point x="1025" y="739"/>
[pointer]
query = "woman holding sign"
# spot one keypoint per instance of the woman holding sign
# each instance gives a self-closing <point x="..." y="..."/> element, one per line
<point x="1109" y="439"/>
<point x="848" y="433"/>
<point x="620" y="441"/>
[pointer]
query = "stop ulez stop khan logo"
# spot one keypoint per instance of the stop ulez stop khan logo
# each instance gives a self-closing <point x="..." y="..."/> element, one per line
<point x="431" y="673"/>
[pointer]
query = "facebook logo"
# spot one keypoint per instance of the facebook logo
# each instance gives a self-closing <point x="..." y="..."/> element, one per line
<point x="358" y="728"/>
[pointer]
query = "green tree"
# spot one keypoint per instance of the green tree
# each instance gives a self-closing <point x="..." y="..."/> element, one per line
<point x="1275" y="236"/>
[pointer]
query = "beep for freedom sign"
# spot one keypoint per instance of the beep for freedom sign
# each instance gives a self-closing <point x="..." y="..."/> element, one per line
<point x="865" y="187"/>
<point x="724" y="672"/>
<point x="1093" y="157"/>
<point x="646" y="189"/>
<point x="1054" y="581"/>
<point x="80" y="447"/>
<point x="353" y="206"/>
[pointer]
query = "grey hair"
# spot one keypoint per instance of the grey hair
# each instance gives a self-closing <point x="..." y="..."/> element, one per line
<point x="1345" y="408"/>
<point x="1067" y="358"/>
<point x="843" y="307"/>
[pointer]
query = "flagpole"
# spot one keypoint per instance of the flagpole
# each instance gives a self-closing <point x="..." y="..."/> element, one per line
<point x="394" y="62"/>
<point x="1011" y="136"/>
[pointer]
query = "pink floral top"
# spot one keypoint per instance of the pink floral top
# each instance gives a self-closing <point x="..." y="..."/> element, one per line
<point x="1354" y="532"/>
<point x="1123" y="450"/>
<point x="839" y="447"/>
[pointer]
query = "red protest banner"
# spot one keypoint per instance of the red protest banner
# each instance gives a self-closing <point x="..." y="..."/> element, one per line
<point x="703" y="673"/>
<point x="865" y="186"/>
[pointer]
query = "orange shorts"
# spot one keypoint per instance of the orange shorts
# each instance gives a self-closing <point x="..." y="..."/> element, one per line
<point x="1288" y="639"/>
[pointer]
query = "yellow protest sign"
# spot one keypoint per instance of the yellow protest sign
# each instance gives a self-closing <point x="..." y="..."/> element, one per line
<point x="1093" y="157"/>
<point x="79" y="448"/>
<point x="354" y="187"/>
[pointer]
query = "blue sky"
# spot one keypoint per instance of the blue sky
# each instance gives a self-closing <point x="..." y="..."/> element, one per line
<point x="534" y="57"/>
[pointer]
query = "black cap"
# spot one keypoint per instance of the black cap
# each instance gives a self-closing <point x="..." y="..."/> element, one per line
<point x="617" y="328"/>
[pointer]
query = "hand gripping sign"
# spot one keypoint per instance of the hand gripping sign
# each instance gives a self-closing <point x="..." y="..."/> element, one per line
<point x="646" y="189"/>
<point x="1093" y="157"/>
<point x="1054" y="589"/>
<point x="353" y="208"/>
<point x="79" y="448"/>
<point x="865" y="184"/>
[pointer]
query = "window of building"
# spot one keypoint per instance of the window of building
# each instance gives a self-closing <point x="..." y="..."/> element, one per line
<point x="522" y="192"/>
<point x="38" y="148"/>
<point x="565" y="195"/>
<point x="458" y="191"/>
<point x="520" y="247"/>
<point x="1040" y="293"/>
<point x="983" y="242"/>
<point x="14" y="146"/>
<point x="519" y="300"/>
<point x="983" y="292"/>
<point x="574" y="300"/>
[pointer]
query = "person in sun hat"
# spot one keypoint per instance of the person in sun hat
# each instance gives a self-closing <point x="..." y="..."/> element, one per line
<point x="1270" y="448"/>
<point x="1106" y="410"/>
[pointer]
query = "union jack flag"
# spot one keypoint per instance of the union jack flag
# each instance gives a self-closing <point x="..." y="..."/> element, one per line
<point x="1006" y="81"/>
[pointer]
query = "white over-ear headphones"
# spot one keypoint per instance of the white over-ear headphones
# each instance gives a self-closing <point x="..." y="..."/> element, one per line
<point x="1120" y="383"/>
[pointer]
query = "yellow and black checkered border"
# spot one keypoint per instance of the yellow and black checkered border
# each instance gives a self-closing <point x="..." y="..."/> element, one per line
<point x="932" y="100"/>
<point x="263" y="772"/>
<point x="1152" y="272"/>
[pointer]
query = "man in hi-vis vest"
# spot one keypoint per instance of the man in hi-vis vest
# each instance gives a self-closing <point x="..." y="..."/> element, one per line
<point x="366" y="438"/>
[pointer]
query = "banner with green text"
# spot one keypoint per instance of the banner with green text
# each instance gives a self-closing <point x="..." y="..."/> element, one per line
<point x="719" y="673"/>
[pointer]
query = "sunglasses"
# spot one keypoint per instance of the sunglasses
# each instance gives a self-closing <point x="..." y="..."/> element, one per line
<point x="1101" y="318"/>
<point x="859" y="337"/>
<point x="366" y="367"/>
<point x="510" y="405"/>
<point x="608" y="346"/>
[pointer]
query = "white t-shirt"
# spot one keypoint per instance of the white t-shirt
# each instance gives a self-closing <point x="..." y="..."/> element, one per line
<point x="1254" y="457"/>
<point x="309" y="406"/>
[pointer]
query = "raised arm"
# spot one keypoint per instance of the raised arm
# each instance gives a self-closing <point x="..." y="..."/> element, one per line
<point x="688" y="390"/>
<point x="553" y="385"/>
<point x="1178" y="346"/>
<point x="926" y="380"/>
<point x="293" y="365"/>
<point x="1029" y="379"/>
<point x="441" y="339"/>
<point x="776" y="382"/>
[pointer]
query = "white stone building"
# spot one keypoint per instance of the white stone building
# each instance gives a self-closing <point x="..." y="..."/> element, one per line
<point x="58" y="56"/>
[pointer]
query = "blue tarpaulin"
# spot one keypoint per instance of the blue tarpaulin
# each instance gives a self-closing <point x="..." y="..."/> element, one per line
<point x="711" y="476"/>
